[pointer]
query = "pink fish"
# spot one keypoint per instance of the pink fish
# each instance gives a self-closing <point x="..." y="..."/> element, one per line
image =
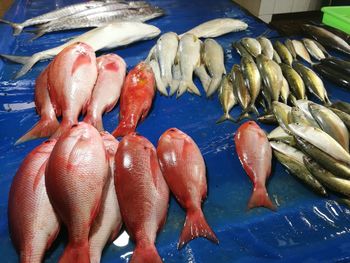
<point x="136" y="98"/>
<point x="71" y="78"/>
<point x="254" y="152"/>
<point x="32" y="221"/>
<point x="109" y="221"/>
<point x="76" y="173"/>
<point x="48" y="123"/>
<point x="105" y="95"/>
<point x="183" y="168"/>
<point x="142" y="194"/>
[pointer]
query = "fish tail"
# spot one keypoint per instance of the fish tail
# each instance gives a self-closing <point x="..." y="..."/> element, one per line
<point x="161" y="87"/>
<point x="76" y="253"/>
<point x="327" y="101"/>
<point x="192" y="88"/>
<point x="260" y="198"/>
<point x="65" y="125"/>
<point x="124" y="127"/>
<point x="17" y="28"/>
<point x="243" y="115"/>
<point x="187" y="85"/>
<point x="16" y="59"/>
<point x="145" y="254"/>
<point x="38" y="34"/>
<point x="196" y="226"/>
<point x="45" y="127"/>
<point x="94" y="120"/>
<point x="174" y="85"/>
<point x="213" y="86"/>
<point x="252" y="108"/>
<point x="224" y="117"/>
<point x="28" y="62"/>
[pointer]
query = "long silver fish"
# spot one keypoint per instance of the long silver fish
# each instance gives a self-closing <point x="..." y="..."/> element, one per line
<point x="107" y="37"/>
<point x="227" y="99"/>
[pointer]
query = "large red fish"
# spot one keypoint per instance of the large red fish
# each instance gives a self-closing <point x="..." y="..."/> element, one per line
<point x="108" y="221"/>
<point x="136" y="98"/>
<point x="142" y="194"/>
<point x="76" y="173"/>
<point x="32" y="220"/>
<point x="183" y="168"/>
<point x="48" y="122"/>
<point x="105" y="95"/>
<point x="254" y="152"/>
<point x="71" y="78"/>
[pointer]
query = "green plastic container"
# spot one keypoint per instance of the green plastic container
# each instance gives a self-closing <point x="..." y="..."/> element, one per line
<point x="338" y="17"/>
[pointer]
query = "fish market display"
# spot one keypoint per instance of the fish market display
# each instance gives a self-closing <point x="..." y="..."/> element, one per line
<point x="136" y="98"/>
<point x="254" y="152"/>
<point x="32" y="221"/>
<point x="143" y="194"/>
<point x="227" y="99"/>
<point x="111" y="73"/>
<point x="76" y="173"/>
<point x="99" y="38"/>
<point x="184" y="170"/>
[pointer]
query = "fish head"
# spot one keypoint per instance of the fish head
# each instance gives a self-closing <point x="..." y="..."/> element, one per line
<point x="46" y="146"/>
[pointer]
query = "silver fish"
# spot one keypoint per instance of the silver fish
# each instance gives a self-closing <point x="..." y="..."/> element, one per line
<point x="284" y="94"/>
<point x="227" y="99"/>
<point x="251" y="45"/>
<point x="276" y="57"/>
<point x="266" y="47"/>
<point x="295" y="82"/>
<point x="303" y="105"/>
<point x="203" y="76"/>
<point x="159" y="82"/>
<point x="301" y="51"/>
<point x="313" y="49"/>
<point x="283" y="52"/>
<point x="289" y="45"/>
<point x="240" y="49"/>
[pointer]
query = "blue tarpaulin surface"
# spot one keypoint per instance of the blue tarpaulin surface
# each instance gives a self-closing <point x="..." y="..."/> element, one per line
<point x="305" y="228"/>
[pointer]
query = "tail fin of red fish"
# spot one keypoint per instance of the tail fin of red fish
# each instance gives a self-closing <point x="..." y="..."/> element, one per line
<point x="145" y="254"/>
<point x="196" y="226"/>
<point x="65" y="126"/>
<point x="124" y="127"/>
<point x="260" y="198"/>
<point x="95" y="121"/>
<point x="45" y="127"/>
<point x="76" y="254"/>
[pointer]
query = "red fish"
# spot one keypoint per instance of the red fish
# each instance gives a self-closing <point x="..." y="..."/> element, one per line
<point x="136" y="98"/>
<point x="32" y="221"/>
<point x="76" y="173"/>
<point x="71" y="78"/>
<point x="105" y="95"/>
<point x="48" y="123"/>
<point x="183" y="168"/>
<point x="254" y="152"/>
<point x="142" y="194"/>
<point x="109" y="221"/>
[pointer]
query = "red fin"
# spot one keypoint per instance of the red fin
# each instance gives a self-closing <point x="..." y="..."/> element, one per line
<point x="261" y="198"/>
<point x="65" y="126"/>
<point x="82" y="59"/>
<point x="145" y="254"/>
<point x="196" y="226"/>
<point x="43" y="128"/>
<point x="124" y="128"/>
<point x="95" y="121"/>
<point x="76" y="254"/>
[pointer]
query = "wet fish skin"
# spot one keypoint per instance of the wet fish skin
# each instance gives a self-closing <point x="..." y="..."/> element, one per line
<point x="289" y="45"/>
<point x="227" y="99"/>
<point x="276" y="57"/>
<point x="203" y="76"/>
<point x="342" y="105"/>
<point x="157" y="75"/>
<point x="282" y="113"/>
<point x="343" y="116"/>
<point x="301" y="51"/>
<point x="268" y="119"/>
<point x="33" y="223"/>
<point x="251" y="45"/>
<point x="332" y="74"/>
<point x="295" y="82"/>
<point x="303" y="105"/>
<point x="253" y="79"/>
<point x="177" y="77"/>
<point x="283" y="52"/>
<point x="284" y="94"/>
<point x="298" y="116"/>
<point x="241" y="50"/>
<point x="338" y="64"/>
<point x="313" y="49"/>
<point x="266" y="47"/>
<point x="278" y="134"/>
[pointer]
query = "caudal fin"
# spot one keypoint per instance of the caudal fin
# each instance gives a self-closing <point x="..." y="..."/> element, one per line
<point x="196" y="226"/>
<point x="145" y="254"/>
<point x="95" y="121"/>
<point x="174" y="85"/>
<point x="76" y="254"/>
<point x="213" y="86"/>
<point x="64" y="126"/>
<point x="225" y="117"/>
<point x="28" y="62"/>
<point x="43" y="128"/>
<point x="260" y="198"/>
<point x="17" y="28"/>
<point x="187" y="85"/>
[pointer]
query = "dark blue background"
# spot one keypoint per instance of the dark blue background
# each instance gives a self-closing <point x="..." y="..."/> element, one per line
<point x="305" y="228"/>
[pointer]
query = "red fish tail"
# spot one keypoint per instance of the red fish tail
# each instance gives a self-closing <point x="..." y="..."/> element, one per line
<point x="65" y="126"/>
<point x="145" y="254"/>
<point x="260" y="198"/>
<point x="45" y="127"/>
<point x="196" y="226"/>
<point x="94" y="120"/>
<point x="76" y="253"/>
<point x="124" y="127"/>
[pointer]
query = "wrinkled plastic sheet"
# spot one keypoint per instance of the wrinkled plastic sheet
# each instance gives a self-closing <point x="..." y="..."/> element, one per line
<point x="306" y="228"/>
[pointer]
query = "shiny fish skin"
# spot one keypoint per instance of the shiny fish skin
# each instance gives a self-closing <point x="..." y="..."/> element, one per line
<point x="337" y="64"/>
<point x="283" y="52"/>
<point x="343" y="116"/>
<point x="333" y="74"/>
<point x="159" y="82"/>
<point x="298" y="116"/>
<point x="301" y="51"/>
<point x="203" y="76"/>
<point x="342" y="105"/>
<point x="253" y="78"/>
<point x="266" y="47"/>
<point x="313" y="49"/>
<point x="284" y="94"/>
<point x="276" y="57"/>
<point x="241" y="50"/>
<point x="295" y="82"/>
<point x="227" y="99"/>
<point x="251" y="45"/>
<point x="278" y="134"/>
<point x="289" y="45"/>
<point x="303" y="105"/>
<point x="239" y="87"/>
<point x="282" y="113"/>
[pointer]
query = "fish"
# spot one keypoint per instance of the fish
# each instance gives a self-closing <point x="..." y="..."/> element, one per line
<point x="321" y="140"/>
<point x="75" y="176"/>
<point x="159" y="82"/>
<point x="295" y="82"/>
<point x="217" y="27"/>
<point x="298" y="116"/>
<point x="276" y="57"/>
<point x="75" y="66"/>
<point x="289" y="45"/>
<point x="166" y="50"/>
<point x="337" y="63"/>
<point x="331" y="124"/>
<point x="292" y="159"/>
<point x="33" y="223"/>
<point x="284" y="94"/>
<point x="184" y="170"/>
<point x="189" y="58"/>
<point x="332" y="182"/>
<point x="342" y="105"/>
<point x="105" y="94"/>
<point x="108" y="222"/>
<point x="313" y="49"/>
<point x="241" y="50"/>
<point x="335" y="31"/>
<point x="266" y="97"/>
<point x="333" y="74"/>
<point x="301" y="51"/>
<point x="255" y="154"/>
<point x="53" y="15"/>
<point x="136" y="98"/>
<point x="283" y="52"/>
<point x="343" y="116"/>
<point x="176" y="70"/>
<point x="278" y="134"/>
<point x="48" y="122"/>
<point x="313" y="82"/>
<point x="203" y="76"/>
<point x="101" y="38"/>
<point x="303" y="105"/>
<point x="227" y="99"/>
<point x="138" y="175"/>
<point x="266" y="47"/>
<point x="213" y="57"/>
<point x="326" y="38"/>
<point x="282" y="113"/>
<point x="251" y="45"/>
